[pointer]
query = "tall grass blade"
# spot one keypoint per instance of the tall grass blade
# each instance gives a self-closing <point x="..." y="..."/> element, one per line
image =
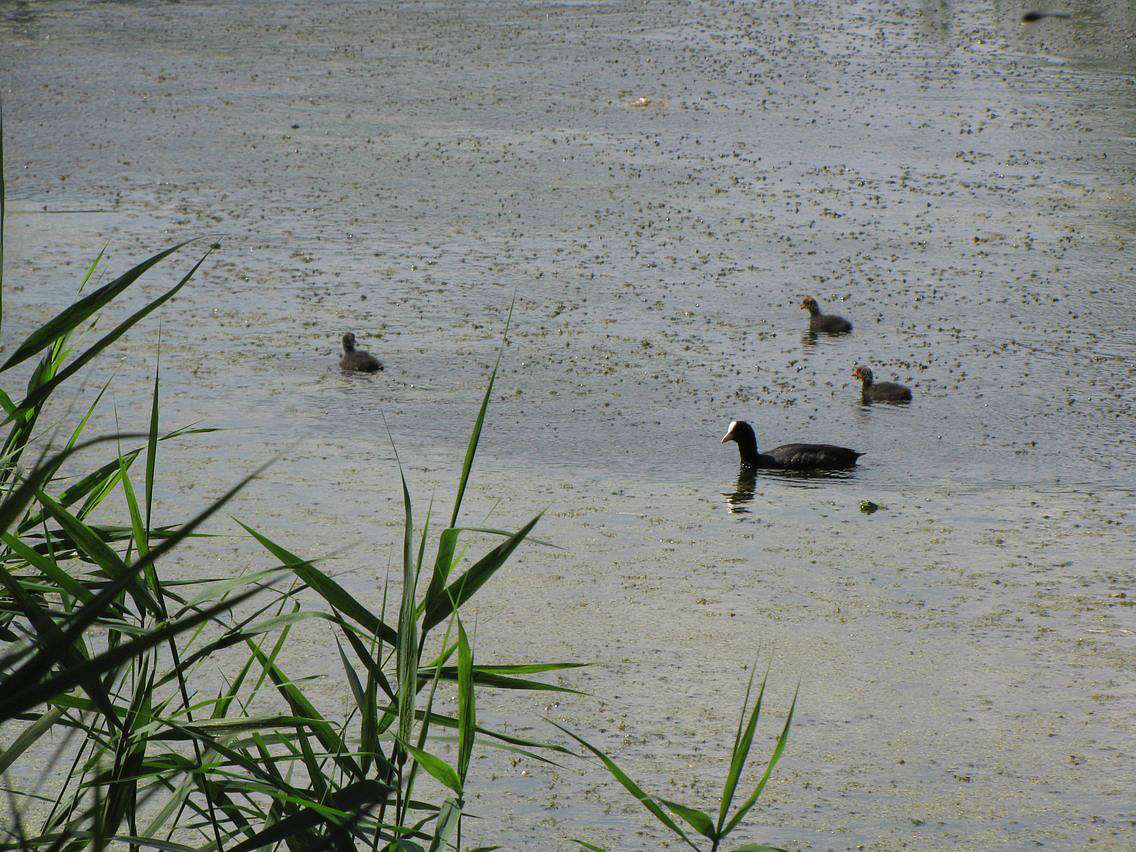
<point x="443" y="564"/>
<point x="17" y="501"/>
<point x="448" y="818"/>
<point x="631" y="787"/>
<point x="49" y="654"/>
<point x="301" y="706"/>
<point x="698" y="820"/>
<point x="348" y="802"/>
<point x="95" y="549"/>
<point x="152" y="437"/>
<point x="778" y="750"/>
<point x="95" y="482"/>
<point x="75" y="314"/>
<point x="50" y="569"/>
<point x="366" y="658"/>
<point x="442" y="771"/>
<point x="327" y="588"/>
<point x="45" y="390"/>
<point x="467" y="712"/>
<point x="73" y="656"/>
<point x="462" y="589"/>
<point x="406" y="643"/>
<point x="122" y="795"/>
<point x="743" y="740"/>
<point x="491" y="679"/>
<point x="94" y="265"/>
<point x="17" y="696"/>
<point x="475" y="436"/>
<point x="3" y="214"/>
<point x="29" y="736"/>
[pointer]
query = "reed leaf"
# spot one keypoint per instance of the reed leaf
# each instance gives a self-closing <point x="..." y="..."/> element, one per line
<point x="319" y="582"/>
<point x="18" y="696"/>
<point x="778" y="750"/>
<point x="698" y="820"/>
<point x="75" y="314"/>
<point x="343" y="808"/>
<point x="631" y="787"/>
<point x="466" y="586"/>
<point x="45" y="390"/>
<point x="442" y="771"/>
<point x="467" y="713"/>
<point x="406" y="643"/>
<point x="743" y="741"/>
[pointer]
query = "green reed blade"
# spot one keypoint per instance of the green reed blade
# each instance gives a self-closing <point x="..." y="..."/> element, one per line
<point x="106" y="340"/>
<point x="442" y="771"/>
<point x="629" y="785"/>
<point x="479" y="423"/>
<point x="698" y="820"/>
<point x="327" y="588"/>
<point x="778" y="750"/>
<point x="496" y="681"/>
<point x="75" y="314"/>
<point x="467" y="711"/>
<point x="743" y="741"/>
<point x="15" y="697"/>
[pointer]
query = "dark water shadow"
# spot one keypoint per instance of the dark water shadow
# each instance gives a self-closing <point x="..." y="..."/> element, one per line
<point x="738" y="500"/>
<point x="884" y="403"/>
<point x="810" y="338"/>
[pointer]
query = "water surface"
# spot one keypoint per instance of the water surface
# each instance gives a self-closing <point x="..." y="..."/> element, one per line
<point x="957" y="184"/>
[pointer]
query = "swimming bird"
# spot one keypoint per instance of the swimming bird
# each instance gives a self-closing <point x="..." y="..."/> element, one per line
<point x="356" y="360"/>
<point x="873" y="391"/>
<point x="1030" y="17"/>
<point x="788" y="456"/>
<point x="829" y="323"/>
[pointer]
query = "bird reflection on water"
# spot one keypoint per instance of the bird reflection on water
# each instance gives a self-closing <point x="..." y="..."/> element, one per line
<point x="737" y="501"/>
<point x="745" y="487"/>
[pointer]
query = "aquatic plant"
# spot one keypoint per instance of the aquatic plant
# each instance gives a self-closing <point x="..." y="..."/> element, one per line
<point x="115" y="728"/>
<point x="714" y="830"/>
<point x="105" y="657"/>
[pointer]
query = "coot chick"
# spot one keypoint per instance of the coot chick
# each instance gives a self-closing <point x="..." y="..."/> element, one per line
<point x="873" y="391"/>
<point x="828" y="323"/>
<point x="788" y="456"/>
<point x="1030" y="17"/>
<point x="356" y="360"/>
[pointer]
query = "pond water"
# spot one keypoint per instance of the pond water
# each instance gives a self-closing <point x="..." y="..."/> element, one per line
<point x="959" y="185"/>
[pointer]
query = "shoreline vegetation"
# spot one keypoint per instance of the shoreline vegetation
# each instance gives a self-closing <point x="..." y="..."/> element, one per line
<point x="107" y="670"/>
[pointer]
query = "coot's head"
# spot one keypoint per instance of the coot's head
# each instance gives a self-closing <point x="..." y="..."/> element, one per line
<point x="348" y="342"/>
<point x="741" y="432"/>
<point x="810" y="304"/>
<point x="863" y="374"/>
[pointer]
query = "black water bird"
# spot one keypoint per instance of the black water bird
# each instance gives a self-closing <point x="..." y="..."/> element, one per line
<point x="356" y="360"/>
<point x="1030" y="17"/>
<point x="873" y="391"/>
<point x="828" y="323"/>
<point x="787" y="456"/>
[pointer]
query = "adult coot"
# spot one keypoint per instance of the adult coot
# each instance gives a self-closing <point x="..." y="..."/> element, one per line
<point x="873" y="391"/>
<point x="788" y="456"/>
<point x="356" y="360"/>
<point x="828" y="323"/>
